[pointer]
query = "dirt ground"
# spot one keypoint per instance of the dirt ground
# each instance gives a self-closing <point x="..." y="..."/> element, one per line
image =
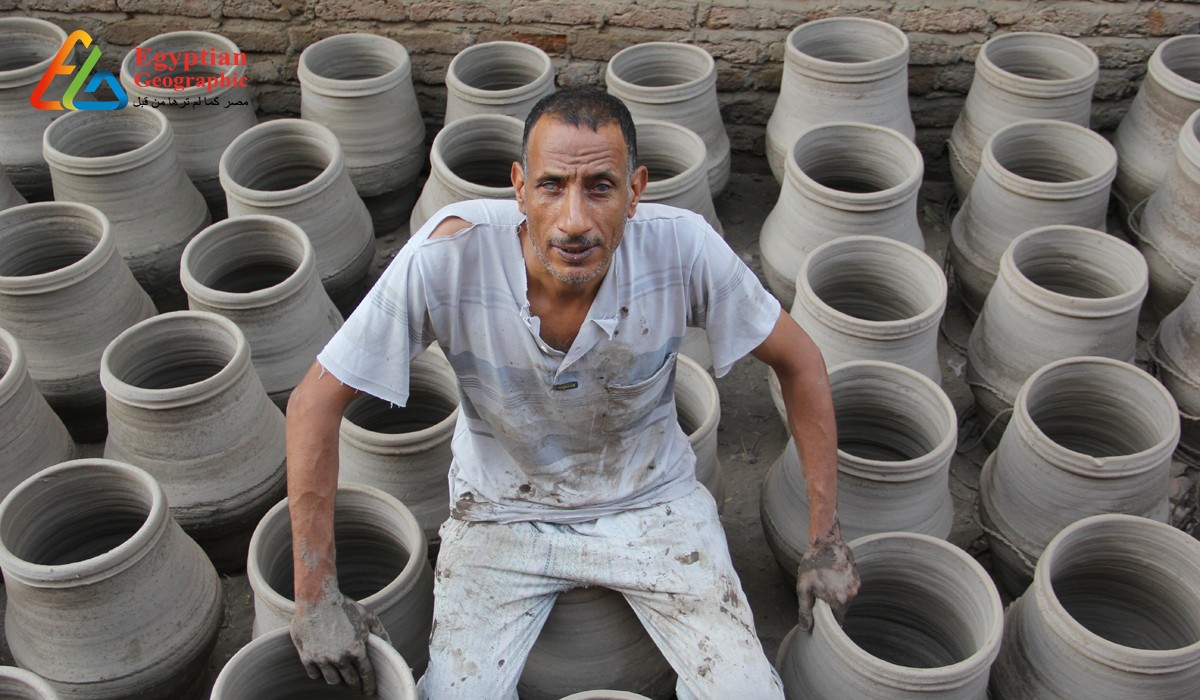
<point x="751" y="436"/>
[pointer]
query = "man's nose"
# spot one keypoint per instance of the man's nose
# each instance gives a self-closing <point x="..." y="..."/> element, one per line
<point x="575" y="218"/>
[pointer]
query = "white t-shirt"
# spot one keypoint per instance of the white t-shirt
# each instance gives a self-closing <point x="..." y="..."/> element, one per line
<point x="546" y="435"/>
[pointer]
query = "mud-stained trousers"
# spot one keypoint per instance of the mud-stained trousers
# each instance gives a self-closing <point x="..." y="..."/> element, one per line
<point x="496" y="583"/>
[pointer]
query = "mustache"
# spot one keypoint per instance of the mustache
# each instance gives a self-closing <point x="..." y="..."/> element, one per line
<point x="580" y="241"/>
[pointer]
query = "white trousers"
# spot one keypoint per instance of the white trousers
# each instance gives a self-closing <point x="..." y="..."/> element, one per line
<point x="496" y="583"/>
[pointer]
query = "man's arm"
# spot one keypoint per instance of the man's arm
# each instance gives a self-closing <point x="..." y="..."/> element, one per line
<point x="827" y="569"/>
<point x="329" y="631"/>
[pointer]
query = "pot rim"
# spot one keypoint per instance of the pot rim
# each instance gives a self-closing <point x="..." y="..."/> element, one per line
<point x="236" y="367"/>
<point x="101" y="566"/>
<point x="865" y="201"/>
<point x="1041" y="189"/>
<point x="354" y="43"/>
<point x="1066" y="304"/>
<point x="159" y="145"/>
<point x="1095" y="646"/>
<point x="163" y="41"/>
<point x="69" y="275"/>
<point x="451" y="130"/>
<point x="680" y="182"/>
<point x="1166" y="76"/>
<point x="258" y="226"/>
<point x="509" y="95"/>
<point x="31" y="680"/>
<point x="1041" y="87"/>
<point x="32" y="73"/>
<point x="842" y="71"/>
<point x="311" y="132"/>
<point x="15" y="371"/>
<point x="706" y="385"/>
<point x="370" y="440"/>
<point x="660" y="94"/>
<point x="352" y="492"/>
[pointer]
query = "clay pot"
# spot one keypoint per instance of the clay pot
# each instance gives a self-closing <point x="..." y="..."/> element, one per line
<point x="268" y="668"/>
<point x="30" y="46"/>
<point x="1176" y="352"/>
<point x="843" y="179"/>
<point x="1168" y="228"/>
<point x="605" y="695"/>
<point x="124" y="163"/>
<point x="896" y="433"/>
<point x="1020" y="75"/>
<point x="927" y="623"/>
<point x="1146" y="137"/>
<point x="19" y="684"/>
<point x="294" y="169"/>
<point x="695" y="346"/>
<point x="698" y="407"/>
<point x="208" y="117"/>
<point x="835" y="70"/>
<point x="1034" y="173"/>
<point x="360" y="86"/>
<point x="185" y="404"/>
<point x="674" y="155"/>
<point x="65" y="293"/>
<point x="107" y="598"/>
<point x="471" y="159"/>
<point x="497" y="77"/>
<point x="381" y="563"/>
<point x="1114" y="612"/>
<point x="405" y="450"/>
<point x="34" y="437"/>
<point x="677" y="83"/>
<point x="1062" y="291"/>
<point x="1088" y="435"/>
<point x="261" y="273"/>
<point x="593" y="639"/>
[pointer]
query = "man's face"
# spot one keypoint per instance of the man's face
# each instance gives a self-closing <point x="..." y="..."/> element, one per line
<point x="576" y="197"/>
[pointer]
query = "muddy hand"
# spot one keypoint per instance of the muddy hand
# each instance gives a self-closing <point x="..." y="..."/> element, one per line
<point x="331" y="637"/>
<point x="827" y="571"/>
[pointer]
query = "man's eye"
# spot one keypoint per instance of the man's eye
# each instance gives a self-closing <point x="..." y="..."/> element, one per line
<point x="602" y="187"/>
<point x="550" y="186"/>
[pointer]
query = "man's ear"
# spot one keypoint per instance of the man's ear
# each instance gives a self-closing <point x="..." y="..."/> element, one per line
<point x="637" y="183"/>
<point x="518" y="182"/>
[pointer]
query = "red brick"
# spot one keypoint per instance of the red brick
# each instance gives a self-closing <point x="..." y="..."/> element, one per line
<point x="429" y="68"/>
<point x="1069" y="21"/>
<point x="945" y="20"/>
<point x="186" y="8"/>
<point x="257" y="35"/>
<point x="1121" y="53"/>
<point x="942" y="49"/>
<point x="1152" y="22"/>
<point x="385" y="10"/>
<point x="264" y="9"/>
<point x="654" y="18"/>
<point x="70" y="5"/>
<point x="270" y="68"/>
<point x="750" y="18"/>
<point x="552" y="12"/>
<point x="767" y="77"/>
<point x="599" y="46"/>
<point x="428" y="40"/>
<point x="456" y="11"/>
<point x="134" y="31"/>
<point x="552" y="43"/>
<point x="734" y="50"/>
<point x="732" y="77"/>
<point x="577" y="72"/>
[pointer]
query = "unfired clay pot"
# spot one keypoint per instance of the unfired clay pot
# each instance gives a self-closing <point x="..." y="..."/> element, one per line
<point x="208" y="117"/>
<point x="381" y="562"/>
<point x="839" y="69"/>
<point x="405" y="450"/>
<point x="677" y="83"/>
<point x="261" y="273"/>
<point x="1062" y="291"/>
<point x="1113" y="613"/>
<point x="698" y="406"/>
<point x="842" y="179"/>
<point x="124" y="163"/>
<point x="896" y="434"/>
<point x="107" y="598"/>
<point x="1088" y="435"/>
<point x="472" y="158"/>
<point x="1145" y="139"/>
<point x="1034" y="173"/>
<point x="294" y="169"/>
<point x="33" y="437"/>
<point x="185" y="404"/>
<point x="65" y="293"/>
<point x="19" y="684"/>
<point x="360" y="86"/>
<point x="927" y="623"/>
<point x="1177" y="357"/>
<point x="1020" y="75"/>
<point x="1167" y="228"/>
<point x="497" y="77"/>
<point x="674" y="155"/>
<point x="593" y="639"/>
<point x="29" y="48"/>
<point x="269" y="668"/>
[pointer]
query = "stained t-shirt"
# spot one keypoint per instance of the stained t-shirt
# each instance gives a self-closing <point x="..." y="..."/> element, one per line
<point x="543" y="434"/>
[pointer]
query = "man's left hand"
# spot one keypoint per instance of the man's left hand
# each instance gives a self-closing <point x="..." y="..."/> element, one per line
<point x="826" y="571"/>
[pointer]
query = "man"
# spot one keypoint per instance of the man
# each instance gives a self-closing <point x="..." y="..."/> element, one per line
<point x="562" y="314"/>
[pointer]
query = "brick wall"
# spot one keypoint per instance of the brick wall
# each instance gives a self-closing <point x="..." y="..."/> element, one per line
<point x="745" y="36"/>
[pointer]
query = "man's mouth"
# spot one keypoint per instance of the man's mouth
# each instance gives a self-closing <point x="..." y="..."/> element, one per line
<point x="574" y="254"/>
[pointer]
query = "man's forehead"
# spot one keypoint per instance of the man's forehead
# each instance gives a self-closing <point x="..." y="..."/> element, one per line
<point x="549" y="132"/>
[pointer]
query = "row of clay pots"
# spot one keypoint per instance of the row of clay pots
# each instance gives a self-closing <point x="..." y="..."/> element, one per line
<point x="1176" y="352"/>
<point x="1113" y="613"/>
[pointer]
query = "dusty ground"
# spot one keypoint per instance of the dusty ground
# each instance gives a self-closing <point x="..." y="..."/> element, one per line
<point x="751" y="435"/>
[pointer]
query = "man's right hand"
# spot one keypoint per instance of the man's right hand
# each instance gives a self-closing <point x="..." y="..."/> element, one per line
<point x="331" y="636"/>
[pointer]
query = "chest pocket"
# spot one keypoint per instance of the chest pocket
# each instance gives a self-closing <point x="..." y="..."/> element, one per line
<point x="629" y="405"/>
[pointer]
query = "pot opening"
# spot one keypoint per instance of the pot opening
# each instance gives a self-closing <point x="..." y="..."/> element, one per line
<point x="868" y="286"/>
<point x="280" y="161"/>
<point x="661" y="166"/>
<point x="1181" y="57"/>
<point x="37" y="247"/>
<point x="251" y="276"/>
<point x="1095" y="410"/>
<point x="500" y="67"/>
<point x="851" y="160"/>
<point x="847" y="42"/>
<point x="1037" y="60"/>
<point x="167" y="356"/>
<point x="871" y="426"/>
<point x="342" y="62"/>
<point x="1042" y="157"/>
<point x="6" y="359"/>
<point x="1061" y="272"/>
<point x="22" y="50"/>
<point x="654" y="65"/>
<point x="102" y="134"/>
<point x="425" y="409"/>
